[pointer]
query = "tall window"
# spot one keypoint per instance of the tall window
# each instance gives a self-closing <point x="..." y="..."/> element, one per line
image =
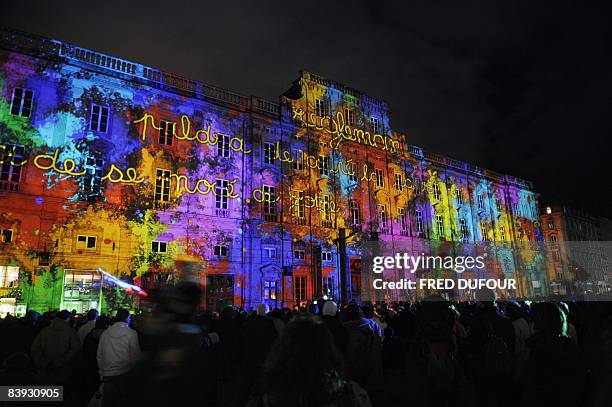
<point x="459" y="195"/>
<point x="375" y="125"/>
<point x="502" y="232"/>
<point x="355" y="214"/>
<point x="162" y="186"/>
<point x="324" y="168"/>
<point x="269" y="203"/>
<point x="485" y="232"/>
<point x="326" y="220"/>
<point x="498" y="203"/>
<point x="320" y="107"/>
<point x="403" y="221"/>
<point x="223" y="146"/>
<point x="166" y="132"/>
<point x="299" y="254"/>
<point x="418" y="220"/>
<point x="299" y="208"/>
<point x="300" y="289"/>
<point x="440" y="226"/>
<point x="21" y="103"/>
<point x="553" y="238"/>
<point x="399" y="182"/>
<point x="382" y="219"/>
<point x="380" y="178"/>
<point x="349" y="114"/>
<point x="269" y="153"/>
<point x="99" y="118"/>
<point x="463" y="229"/>
<point x="353" y="172"/>
<point x="221" y="197"/>
<point x="298" y="160"/>
<point x="270" y="253"/>
<point x="435" y="190"/>
<point x="11" y="161"/>
<point x="91" y="181"/>
<point x="270" y="290"/>
<point x="6" y="235"/>
<point x="480" y="201"/>
<point x="328" y="286"/>
<point x="326" y="256"/>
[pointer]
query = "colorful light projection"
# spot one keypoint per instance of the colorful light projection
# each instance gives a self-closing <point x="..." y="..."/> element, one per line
<point x="170" y="178"/>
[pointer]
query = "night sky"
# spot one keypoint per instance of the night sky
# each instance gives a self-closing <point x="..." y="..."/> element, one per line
<point x="519" y="87"/>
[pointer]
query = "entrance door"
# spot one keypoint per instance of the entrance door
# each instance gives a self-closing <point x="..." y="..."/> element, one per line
<point x="355" y="270"/>
<point x="219" y="292"/>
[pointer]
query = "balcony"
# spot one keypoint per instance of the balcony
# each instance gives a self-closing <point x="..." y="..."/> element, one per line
<point x="222" y="213"/>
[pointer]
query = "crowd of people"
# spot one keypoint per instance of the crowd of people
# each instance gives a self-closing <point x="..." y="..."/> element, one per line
<point x="432" y="352"/>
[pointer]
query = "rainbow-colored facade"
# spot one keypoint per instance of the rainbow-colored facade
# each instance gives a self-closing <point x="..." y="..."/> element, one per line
<point x="106" y="163"/>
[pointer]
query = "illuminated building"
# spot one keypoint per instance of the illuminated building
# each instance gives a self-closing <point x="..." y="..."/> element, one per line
<point x="578" y="255"/>
<point x="115" y="165"/>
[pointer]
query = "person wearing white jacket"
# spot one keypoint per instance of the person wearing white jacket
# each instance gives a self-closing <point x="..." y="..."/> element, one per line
<point x="118" y="350"/>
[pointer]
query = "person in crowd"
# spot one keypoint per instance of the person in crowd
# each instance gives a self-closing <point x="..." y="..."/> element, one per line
<point x="17" y="369"/>
<point x="554" y="361"/>
<point x="55" y="349"/>
<point x="363" y="351"/>
<point x="304" y="368"/>
<point x="90" y="323"/>
<point x="90" y="370"/>
<point x="334" y="325"/>
<point x="118" y="351"/>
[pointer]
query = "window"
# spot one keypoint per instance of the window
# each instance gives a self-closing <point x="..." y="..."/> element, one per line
<point x="440" y="226"/>
<point x="166" y="133"/>
<point x="269" y="290"/>
<point x="382" y="219"/>
<point x="269" y="203"/>
<point x="375" y="125"/>
<point x="99" y="118"/>
<point x="485" y="232"/>
<point x="326" y="256"/>
<point x="463" y="232"/>
<point x="270" y="130"/>
<point x="481" y="201"/>
<point x="419" y="222"/>
<point x="300" y="208"/>
<point x="403" y="221"/>
<point x="86" y="242"/>
<point x="299" y="254"/>
<point x="220" y="250"/>
<point x="159" y="247"/>
<point x="459" y="196"/>
<point x="269" y="153"/>
<point x="502" y="232"/>
<point x="355" y="214"/>
<point x="435" y="190"/>
<point x="399" y="182"/>
<point x="324" y="168"/>
<point x="326" y="220"/>
<point x="221" y="194"/>
<point x="6" y="235"/>
<point x="499" y="204"/>
<point x="11" y="161"/>
<point x="349" y="114"/>
<point x="320" y="108"/>
<point x="380" y="178"/>
<point x="553" y="238"/>
<point x="300" y="289"/>
<point x="223" y="146"/>
<point x="328" y="286"/>
<point x="269" y="252"/>
<point x="556" y="255"/>
<point x="352" y="168"/>
<point x="9" y="276"/>
<point x="298" y="160"/>
<point x="551" y="224"/>
<point x="91" y="181"/>
<point x="21" y="103"/>
<point x="162" y="186"/>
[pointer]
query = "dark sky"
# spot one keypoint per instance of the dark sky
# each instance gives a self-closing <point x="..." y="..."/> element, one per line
<point x="520" y="87"/>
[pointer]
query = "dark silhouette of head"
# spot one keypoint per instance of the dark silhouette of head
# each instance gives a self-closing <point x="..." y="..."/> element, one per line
<point x="122" y="315"/>
<point x="304" y="366"/>
<point x="64" y="315"/>
<point x="92" y="314"/>
<point x="549" y="320"/>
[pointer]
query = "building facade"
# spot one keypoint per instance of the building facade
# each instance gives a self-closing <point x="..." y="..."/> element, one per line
<point x="578" y="255"/>
<point x="106" y="163"/>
